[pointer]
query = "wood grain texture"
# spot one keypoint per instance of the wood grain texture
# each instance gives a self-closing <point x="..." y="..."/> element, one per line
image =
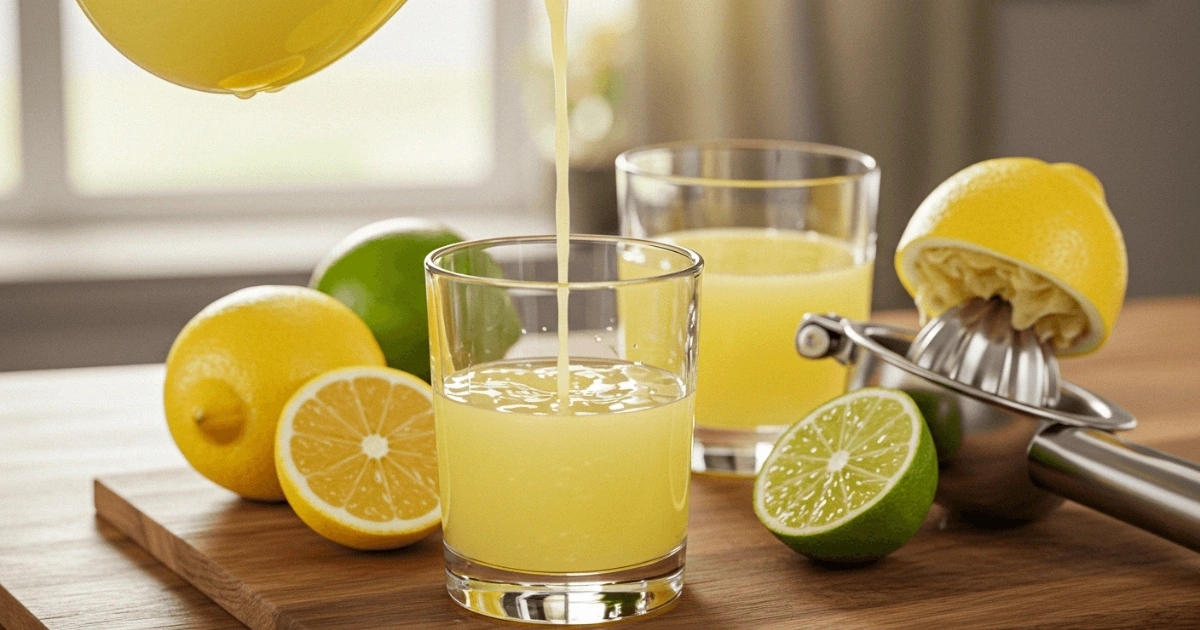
<point x="66" y="568"/>
<point x="1076" y="568"/>
<point x="60" y="567"/>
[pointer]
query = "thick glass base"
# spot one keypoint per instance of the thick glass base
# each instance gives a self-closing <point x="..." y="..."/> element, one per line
<point x="565" y="598"/>
<point x="733" y="452"/>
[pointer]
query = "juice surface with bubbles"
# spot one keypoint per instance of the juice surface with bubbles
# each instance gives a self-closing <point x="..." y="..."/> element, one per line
<point x="236" y="46"/>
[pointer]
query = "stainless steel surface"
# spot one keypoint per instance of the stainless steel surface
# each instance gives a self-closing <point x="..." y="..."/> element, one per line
<point x="1139" y="485"/>
<point x="983" y="439"/>
<point x="974" y="343"/>
<point x="812" y="342"/>
<point x="850" y="340"/>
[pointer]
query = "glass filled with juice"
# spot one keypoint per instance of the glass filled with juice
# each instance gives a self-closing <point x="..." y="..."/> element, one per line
<point x="563" y="500"/>
<point x="785" y="228"/>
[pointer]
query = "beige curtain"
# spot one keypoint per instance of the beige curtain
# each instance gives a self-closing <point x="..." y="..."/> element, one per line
<point x="906" y="81"/>
<point x="726" y="68"/>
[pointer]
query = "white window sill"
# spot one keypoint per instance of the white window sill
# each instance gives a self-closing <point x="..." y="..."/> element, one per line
<point x="214" y="247"/>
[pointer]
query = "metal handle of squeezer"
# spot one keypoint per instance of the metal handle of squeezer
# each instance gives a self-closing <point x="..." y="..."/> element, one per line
<point x="1144" y="487"/>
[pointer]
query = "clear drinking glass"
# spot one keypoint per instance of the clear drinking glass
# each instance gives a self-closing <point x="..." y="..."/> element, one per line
<point x="553" y="513"/>
<point x="785" y="228"/>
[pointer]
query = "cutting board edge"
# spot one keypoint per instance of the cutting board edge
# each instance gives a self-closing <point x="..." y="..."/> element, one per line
<point x="186" y="561"/>
<point x="15" y="616"/>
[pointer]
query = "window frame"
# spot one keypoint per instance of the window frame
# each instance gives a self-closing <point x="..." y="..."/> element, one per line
<point x="44" y="194"/>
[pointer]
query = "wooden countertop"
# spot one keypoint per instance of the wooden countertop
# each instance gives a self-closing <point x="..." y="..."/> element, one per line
<point x="62" y="566"/>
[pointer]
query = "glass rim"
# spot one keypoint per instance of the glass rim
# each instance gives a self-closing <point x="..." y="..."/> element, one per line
<point x="695" y="266"/>
<point x="624" y="163"/>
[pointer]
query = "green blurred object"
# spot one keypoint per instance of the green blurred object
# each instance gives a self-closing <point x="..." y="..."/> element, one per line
<point x="378" y="271"/>
<point x="944" y="420"/>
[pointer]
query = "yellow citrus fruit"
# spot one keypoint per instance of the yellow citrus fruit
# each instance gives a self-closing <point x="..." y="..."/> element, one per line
<point x="240" y="47"/>
<point x="1039" y="235"/>
<point x="236" y="363"/>
<point x="357" y="457"/>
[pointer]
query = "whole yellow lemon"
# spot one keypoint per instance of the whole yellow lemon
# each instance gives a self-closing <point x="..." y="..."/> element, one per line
<point x="234" y="366"/>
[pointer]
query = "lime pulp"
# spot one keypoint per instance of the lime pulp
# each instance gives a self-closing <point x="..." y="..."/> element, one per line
<point x="853" y="480"/>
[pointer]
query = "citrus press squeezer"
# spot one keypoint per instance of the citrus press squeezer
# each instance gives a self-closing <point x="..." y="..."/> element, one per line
<point x="1013" y="439"/>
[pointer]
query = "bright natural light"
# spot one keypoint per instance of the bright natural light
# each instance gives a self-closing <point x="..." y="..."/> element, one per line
<point x="10" y="145"/>
<point x="411" y="107"/>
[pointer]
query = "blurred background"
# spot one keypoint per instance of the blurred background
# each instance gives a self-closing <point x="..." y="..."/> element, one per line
<point x="127" y="203"/>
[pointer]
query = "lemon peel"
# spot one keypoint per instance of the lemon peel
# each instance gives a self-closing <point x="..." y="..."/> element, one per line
<point x="236" y="363"/>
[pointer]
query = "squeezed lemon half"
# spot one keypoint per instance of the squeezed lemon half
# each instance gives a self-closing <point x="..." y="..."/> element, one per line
<point x="1039" y="235"/>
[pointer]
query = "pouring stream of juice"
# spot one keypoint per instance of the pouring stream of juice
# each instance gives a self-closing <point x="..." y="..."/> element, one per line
<point x="556" y="10"/>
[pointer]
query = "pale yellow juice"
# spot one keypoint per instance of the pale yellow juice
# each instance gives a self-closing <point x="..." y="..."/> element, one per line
<point x="556" y="11"/>
<point x="758" y="283"/>
<point x="530" y="487"/>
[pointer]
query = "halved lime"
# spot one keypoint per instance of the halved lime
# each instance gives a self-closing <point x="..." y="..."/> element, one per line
<point x="852" y="481"/>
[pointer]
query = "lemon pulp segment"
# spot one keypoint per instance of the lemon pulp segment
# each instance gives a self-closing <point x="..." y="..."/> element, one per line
<point x="948" y="276"/>
<point x="357" y="457"/>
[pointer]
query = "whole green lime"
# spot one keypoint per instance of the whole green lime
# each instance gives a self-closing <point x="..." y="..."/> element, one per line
<point x="378" y="271"/>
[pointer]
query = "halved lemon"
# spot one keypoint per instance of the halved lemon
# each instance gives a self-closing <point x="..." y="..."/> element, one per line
<point x="1038" y="235"/>
<point x="357" y="458"/>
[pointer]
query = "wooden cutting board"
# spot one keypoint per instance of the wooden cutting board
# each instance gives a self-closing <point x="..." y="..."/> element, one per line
<point x="1075" y="568"/>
